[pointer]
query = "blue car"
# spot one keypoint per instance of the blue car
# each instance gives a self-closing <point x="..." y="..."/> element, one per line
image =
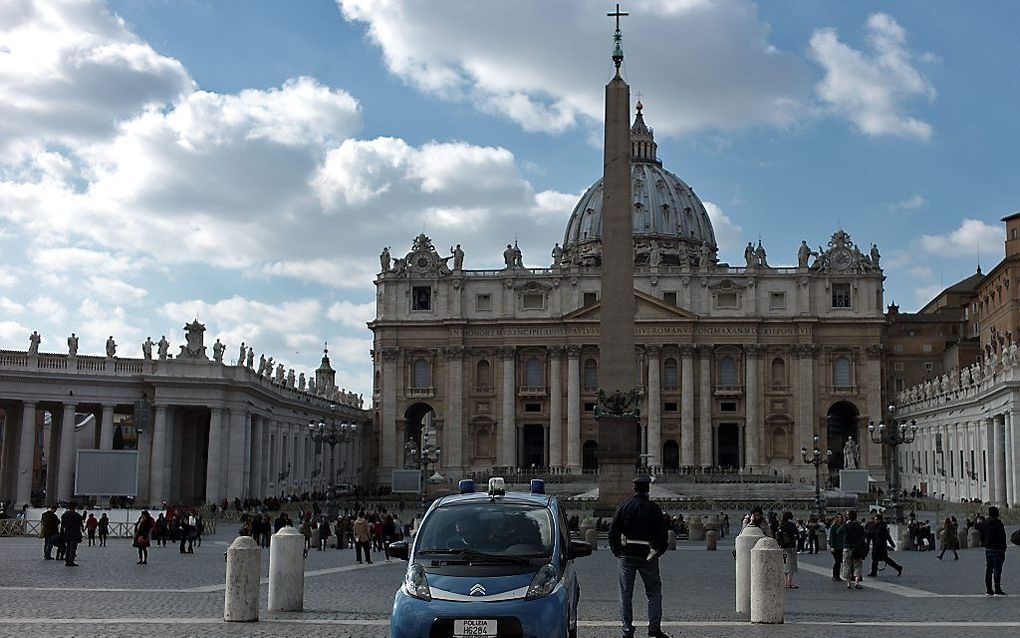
<point x="489" y="564"/>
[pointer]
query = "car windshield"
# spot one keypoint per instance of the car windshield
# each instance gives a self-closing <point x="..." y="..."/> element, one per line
<point x="498" y="529"/>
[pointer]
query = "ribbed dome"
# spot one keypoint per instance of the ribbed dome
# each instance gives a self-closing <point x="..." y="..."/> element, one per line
<point x="667" y="213"/>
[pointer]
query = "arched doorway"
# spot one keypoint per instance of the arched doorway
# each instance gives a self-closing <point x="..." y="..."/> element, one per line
<point x="841" y="421"/>
<point x="590" y="455"/>
<point x="671" y="455"/>
<point x="417" y="416"/>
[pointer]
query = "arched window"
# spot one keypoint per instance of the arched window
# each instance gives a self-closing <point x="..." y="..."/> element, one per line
<point x="778" y="372"/>
<point x="669" y="375"/>
<point x="591" y="374"/>
<point x="841" y="373"/>
<point x="534" y="373"/>
<point x="727" y="371"/>
<point x="482" y="374"/>
<point x="420" y="374"/>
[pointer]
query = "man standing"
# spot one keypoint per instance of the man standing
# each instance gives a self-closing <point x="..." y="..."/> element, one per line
<point x="362" y="539"/>
<point x="637" y="537"/>
<point x="994" y="540"/>
<point x="71" y="525"/>
<point x="50" y="528"/>
<point x="881" y="543"/>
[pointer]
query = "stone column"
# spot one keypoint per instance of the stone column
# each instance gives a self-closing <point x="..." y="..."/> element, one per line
<point x="26" y="454"/>
<point x="705" y="431"/>
<point x="999" y="458"/>
<point x="388" y="427"/>
<point x="752" y="396"/>
<point x="804" y="427"/>
<point x="453" y="426"/>
<point x="574" y="408"/>
<point x="508" y="418"/>
<point x="555" y="430"/>
<point x="212" y="465"/>
<point x="157" y="482"/>
<point x="65" y="480"/>
<point x="687" y="405"/>
<point x="265" y="456"/>
<point x="256" y="470"/>
<point x="106" y="434"/>
<point x="871" y="453"/>
<point x="1010" y="461"/>
<point x="1015" y="454"/>
<point x="654" y="434"/>
<point x="236" y="455"/>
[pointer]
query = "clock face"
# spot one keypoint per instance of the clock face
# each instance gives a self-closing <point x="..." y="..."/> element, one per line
<point x="841" y="258"/>
<point x="421" y="261"/>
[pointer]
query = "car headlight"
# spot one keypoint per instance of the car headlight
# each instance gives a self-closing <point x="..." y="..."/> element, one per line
<point x="543" y="583"/>
<point x="415" y="582"/>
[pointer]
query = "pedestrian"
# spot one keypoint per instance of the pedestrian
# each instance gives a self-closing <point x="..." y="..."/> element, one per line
<point x="362" y="538"/>
<point x="144" y="527"/>
<point x="324" y="532"/>
<point x="71" y="526"/>
<point x="788" y="539"/>
<point x="855" y="550"/>
<point x="837" y="541"/>
<point x="949" y="539"/>
<point x="90" y="526"/>
<point x="50" y="528"/>
<point x="162" y="530"/>
<point x="994" y="540"/>
<point x="103" y="529"/>
<point x="881" y="543"/>
<point x="637" y="537"/>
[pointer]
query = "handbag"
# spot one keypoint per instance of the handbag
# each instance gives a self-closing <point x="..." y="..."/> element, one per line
<point x="1015" y="537"/>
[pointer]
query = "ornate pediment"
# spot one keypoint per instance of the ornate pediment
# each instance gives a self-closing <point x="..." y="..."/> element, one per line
<point x="843" y="257"/>
<point x="532" y="286"/>
<point x="648" y="308"/>
<point x="422" y="261"/>
<point x="729" y="284"/>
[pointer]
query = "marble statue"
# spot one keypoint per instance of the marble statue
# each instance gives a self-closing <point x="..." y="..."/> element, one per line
<point x="851" y="454"/>
<point x="290" y="378"/>
<point x="311" y="386"/>
<point x="749" y="255"/>
<point x="301" y="382"/>
<point x="217" y="351"/>
<point x="111" y="348"/>
<point x="759" y="256"/>
<point x="384" y="259"/>
<point x="72" y="345"/>
<point x="163" y="347"/>
<point x="518" y="257"/>
<point x="458" y="257"/>
<point x="508" y="256"/>
<point x="557" y="255"/>
<point x="654" y="256"/>
<point x="240" y="357"/>
<point x="279" y="374"/>
<point x="803" y="253"/>
<point x="705" y="256"/>
<point x="33" y="343"/>
<point x="251" y="358"/>
<point x="875" y="256"/>
<point x="194" y="336"/>
<point x="147" y="349"/>
<point x="262" y="364"/>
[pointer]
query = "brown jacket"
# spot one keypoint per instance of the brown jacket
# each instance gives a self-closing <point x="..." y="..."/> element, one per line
<point x="361" y="530"/>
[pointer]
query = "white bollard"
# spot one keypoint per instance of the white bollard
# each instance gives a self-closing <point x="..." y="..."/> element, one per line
<point x="768" y="597"/>
<point x="591" y="536"/>
<point x="671" y="540"/>
<point x="244" y="563"/>
<point x="744" y="542"/>
<point x="287" y="570"/>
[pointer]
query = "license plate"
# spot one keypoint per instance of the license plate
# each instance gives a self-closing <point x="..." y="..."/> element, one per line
<point x="464" y="628"/>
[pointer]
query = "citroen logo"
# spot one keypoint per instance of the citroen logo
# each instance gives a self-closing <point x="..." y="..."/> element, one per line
<point x="477" y="590"/>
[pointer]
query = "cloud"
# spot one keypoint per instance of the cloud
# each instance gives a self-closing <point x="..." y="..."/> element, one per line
<point x="870" y="87"/>
<point x="970" y="238"/>
<point x="14" y="332"/>
<point x="101" y="320"/>
<point x="512" y="59"/>
<point x="49" y="309"/>
<point x="115" y="290"/>
<point x="10" y="307"/>
<point x="913" y="202"/>
<point x="728" y="234"/>
<point x="351" y="314"/>
<point x="238" y="319"/>
<point x="350" y="350"/>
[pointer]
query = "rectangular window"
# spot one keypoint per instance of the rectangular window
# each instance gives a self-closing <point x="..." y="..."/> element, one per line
<point x="840" y="295"/>
<point x="669" y="297"/>
<point x="589" y="406"/>
<point x="421" y="298"/>
<point x="590" y="299"/>
<point x="726" y="300"/>
<point x="898" y="347"/>
<point x="899" y="384"/>
<point x="928" y="366"/>
<point x="534" y="301"/>
<point x="532" y="407"/>
<point x="777" y="301"/>
<point x="483" y="303"/>
<point x="898" y="366"/>
<point x="728" y="406"/>
<point x="670" y="406"/>
<point x="926" y="347"/>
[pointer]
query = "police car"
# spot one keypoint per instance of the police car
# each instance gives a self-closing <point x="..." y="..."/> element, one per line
<point x="489" y="564"/>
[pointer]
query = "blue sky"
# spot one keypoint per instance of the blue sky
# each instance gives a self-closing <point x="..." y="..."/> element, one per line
<point x="246" y="161"/>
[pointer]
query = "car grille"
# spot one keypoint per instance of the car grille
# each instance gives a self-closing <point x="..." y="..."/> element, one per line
<point x="505" y="628"/>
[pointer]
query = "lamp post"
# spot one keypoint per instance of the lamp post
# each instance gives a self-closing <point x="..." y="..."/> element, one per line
<point x="818" y="461"/>
<point x="332" y="433"/>
<point x="893" y="436"/>
<point x="420" y="454"/>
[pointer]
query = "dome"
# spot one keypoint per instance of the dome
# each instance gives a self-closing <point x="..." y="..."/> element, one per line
<point x="668" y="217"/>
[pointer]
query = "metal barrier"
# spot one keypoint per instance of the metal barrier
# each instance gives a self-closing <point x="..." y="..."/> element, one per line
<point x="11" y="527"/>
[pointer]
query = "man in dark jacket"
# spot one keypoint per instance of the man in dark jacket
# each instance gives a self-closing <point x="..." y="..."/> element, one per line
<point x="638" y="536"/>
<point x="71" y="526"/>
<point x="881" y="542"/>
<point x="994" y="540"/>
<point x="50" y="528"/>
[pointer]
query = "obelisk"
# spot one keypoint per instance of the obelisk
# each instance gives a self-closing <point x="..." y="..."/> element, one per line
<point x="617" y="408"/>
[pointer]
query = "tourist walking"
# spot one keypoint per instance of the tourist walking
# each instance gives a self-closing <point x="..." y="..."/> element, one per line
<point x="994" y="540"/>
<point x="837" y="541"/>
<point x="71" y="526"/>
<point x="50" y="529"/>
<point x="881" y="543"/>
<point x="144" y="528"/>
<point x="855" y="550"/>
<point x="638" y="537"/>
<point x="950" y="540"/>
<point x="324" y="533"/>
<point x="103" y="529"/>
<point x="162" y="530"/>
<point x="362" y="538"/>
<point x="787" y="537"/>
<point x="90" y="526"/>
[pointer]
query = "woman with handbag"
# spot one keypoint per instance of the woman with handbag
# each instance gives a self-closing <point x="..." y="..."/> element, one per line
<point x="143" y="530"/>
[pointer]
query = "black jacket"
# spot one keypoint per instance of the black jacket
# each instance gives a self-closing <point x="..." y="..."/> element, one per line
<point x="995" y="535"/>
<point x="639" y="519"/>
<point x="881" y="540"/>
<point x="855" y="534"/>
<point x="70" y="526"/>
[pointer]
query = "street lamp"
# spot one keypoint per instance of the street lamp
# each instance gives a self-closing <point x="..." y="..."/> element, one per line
<point x="893" y="436"/>
<point x="419" y="454"/>
<point x="818" y="461"/>
<point x="332" y="433"/>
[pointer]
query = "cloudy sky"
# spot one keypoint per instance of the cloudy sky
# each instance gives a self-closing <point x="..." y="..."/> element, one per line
<point x="244" y="162"/>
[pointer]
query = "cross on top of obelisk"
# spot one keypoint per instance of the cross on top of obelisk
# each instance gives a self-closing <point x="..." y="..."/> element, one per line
<point x="617" y="37"/>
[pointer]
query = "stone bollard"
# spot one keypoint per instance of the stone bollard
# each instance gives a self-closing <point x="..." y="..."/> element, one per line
<point x="711" y="538"/>
<point x="712" y="522"/>
<point x="973" y="538"/>
<point x="696" y="529"/>
<point x="591" y="536"/>
<point x="671" y="540"/>
<point x="768" y="597"/>
<point x="822" y="540"/>
<point x="244" y="561"/>
<point x="961" y="534"/>
<point x="316" y="538"/>
<point x="744" y="542"/>
<point x="287" y="570"/>
<point x="903" y="537"/>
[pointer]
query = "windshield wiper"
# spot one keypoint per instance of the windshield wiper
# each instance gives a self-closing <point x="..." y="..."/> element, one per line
<point x="476" y="556"/>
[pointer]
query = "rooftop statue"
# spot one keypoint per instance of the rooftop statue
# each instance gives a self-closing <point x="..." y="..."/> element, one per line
<point x="147" y="348"/>
<point x="72" y="345"/>
<point x="33" y="343"/>
<point x="111" y="348"/>
<point x="217" y="350"/>
<point x="194" y="334"/>
<point x="163" y="347"/>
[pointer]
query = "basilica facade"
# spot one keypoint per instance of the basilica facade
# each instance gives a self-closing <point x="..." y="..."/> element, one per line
<point x="739" y="366"/>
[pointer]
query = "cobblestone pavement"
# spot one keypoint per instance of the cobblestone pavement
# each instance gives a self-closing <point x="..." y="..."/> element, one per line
<point x="182" y="595"/>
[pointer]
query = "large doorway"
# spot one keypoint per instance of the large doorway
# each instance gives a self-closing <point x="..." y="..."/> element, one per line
<point x="671" y="455"/>
<point x="532" y="446"/>
<point x="416" y="417"/>
<point x="590" y="455"/>
<point x="841" y="421"/>
<point x="728" y="445"/>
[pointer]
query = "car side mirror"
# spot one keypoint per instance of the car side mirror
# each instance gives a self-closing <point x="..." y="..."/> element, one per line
<point x="398" y="549"/>
<point x="578" y="549"/>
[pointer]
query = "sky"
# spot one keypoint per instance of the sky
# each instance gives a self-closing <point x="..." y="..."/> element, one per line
<point x="244" y="162"/>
